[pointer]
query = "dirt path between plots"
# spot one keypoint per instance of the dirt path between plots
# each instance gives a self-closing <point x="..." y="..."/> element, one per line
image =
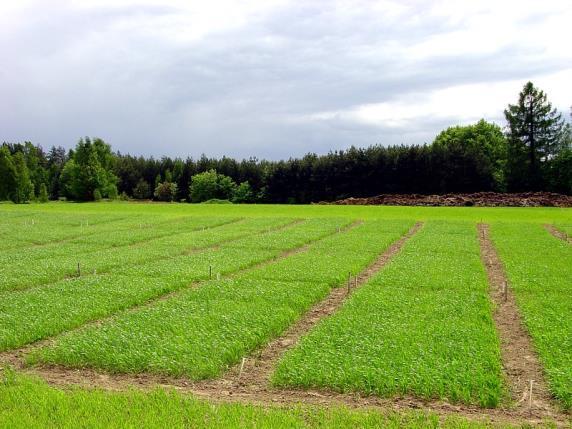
<point x="557" y="233"/>
<point x="519" y="359"/>
<point x="250" y="384"/>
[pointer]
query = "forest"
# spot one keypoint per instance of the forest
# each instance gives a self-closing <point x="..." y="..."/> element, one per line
<point x="533" y="152"/>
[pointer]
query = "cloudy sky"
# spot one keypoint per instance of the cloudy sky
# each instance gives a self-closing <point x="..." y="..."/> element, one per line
<point x="271" y="79"/>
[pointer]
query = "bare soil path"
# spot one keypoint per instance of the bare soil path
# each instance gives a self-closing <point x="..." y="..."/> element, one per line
<point x="557" y="233"/>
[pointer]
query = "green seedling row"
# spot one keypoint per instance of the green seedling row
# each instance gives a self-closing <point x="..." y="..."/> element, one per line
<point x="539" y="271"/>
<point x="422" y="326"/>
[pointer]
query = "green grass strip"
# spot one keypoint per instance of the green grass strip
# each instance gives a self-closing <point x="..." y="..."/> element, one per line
<point x="421" y="326"/>
<point x="539" y="270"/>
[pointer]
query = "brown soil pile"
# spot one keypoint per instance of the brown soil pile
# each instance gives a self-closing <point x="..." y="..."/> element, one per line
<point x="479" y="199"/>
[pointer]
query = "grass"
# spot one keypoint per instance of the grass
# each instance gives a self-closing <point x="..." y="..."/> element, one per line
<point x="26" y="402"/>
<point x="475" y="214"/>
<point x="539" y="270"/>
<point x="31" y="315"/>
<point x="422" y="326"/>
<point x="201" y="332"/>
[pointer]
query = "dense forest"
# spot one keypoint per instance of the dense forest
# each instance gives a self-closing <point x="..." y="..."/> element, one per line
<point x="532" y="153"/>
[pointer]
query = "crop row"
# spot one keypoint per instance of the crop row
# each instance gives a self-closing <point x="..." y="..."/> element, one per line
<point x="421" y="326"/>
<point x="24" y="273"/>
<point x="201" y="332"/>
<point x="31" y="315"/>
<point x="538" y="267"/>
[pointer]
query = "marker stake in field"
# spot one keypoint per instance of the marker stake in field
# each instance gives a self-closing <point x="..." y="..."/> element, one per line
<point x="241" y="366"/>
<point x="210" y="271"/>
<point x="78" y="270"/>
<point x="530" y="394"/>
<point x="349" y="282"/>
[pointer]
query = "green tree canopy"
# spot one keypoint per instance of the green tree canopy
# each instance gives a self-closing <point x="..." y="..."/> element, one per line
<point x="166" y="191"/>
<point x="211" y="185"/>
<point x="89" y="169"/>
<point x="484" y="142"/>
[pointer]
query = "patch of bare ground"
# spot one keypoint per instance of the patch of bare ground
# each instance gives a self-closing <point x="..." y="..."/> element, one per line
<point x="557" y="233"/>
<point x="249" y="382"/>
<point x="521" y="366"/>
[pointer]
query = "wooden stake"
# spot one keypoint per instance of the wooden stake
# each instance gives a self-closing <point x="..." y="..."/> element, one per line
<point x="241" y="367"/>
<point x="530" y="394"/>
<point x="78" y="270"/>
<point x="505" y="291"/>
<point x="210" y="271"/>
<point x="349" y="282"/>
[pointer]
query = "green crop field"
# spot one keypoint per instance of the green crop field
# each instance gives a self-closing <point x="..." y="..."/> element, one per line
<point x="126" y="292"/>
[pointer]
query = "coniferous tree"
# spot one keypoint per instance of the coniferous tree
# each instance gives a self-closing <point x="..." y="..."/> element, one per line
<point x="534" y="136"/>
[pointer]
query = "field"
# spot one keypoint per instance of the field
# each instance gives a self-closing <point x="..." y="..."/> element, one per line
<point x="283" y="316"/>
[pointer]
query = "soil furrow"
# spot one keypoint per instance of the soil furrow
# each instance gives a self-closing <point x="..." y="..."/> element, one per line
<point x="519" y="359"/>
<point x="557" y="233"/>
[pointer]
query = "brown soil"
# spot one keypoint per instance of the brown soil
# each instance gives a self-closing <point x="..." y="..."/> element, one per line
<point x="557" y="233"/>
<point x="519" y="359"/>
<point x="479" y="199"/>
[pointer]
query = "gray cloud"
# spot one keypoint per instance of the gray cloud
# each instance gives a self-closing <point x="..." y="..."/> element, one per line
<point x="252" y="89"/>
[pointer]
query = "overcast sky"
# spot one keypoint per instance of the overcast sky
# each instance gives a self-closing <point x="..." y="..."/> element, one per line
<point x="271" y="79"/>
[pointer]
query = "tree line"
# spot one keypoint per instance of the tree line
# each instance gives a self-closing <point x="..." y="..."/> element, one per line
<point x="532" y="153"/>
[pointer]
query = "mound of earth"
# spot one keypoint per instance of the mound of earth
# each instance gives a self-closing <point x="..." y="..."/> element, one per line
<point x="479" y="199"/>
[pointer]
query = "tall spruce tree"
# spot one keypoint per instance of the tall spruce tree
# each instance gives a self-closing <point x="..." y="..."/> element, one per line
<point x="534" y="136"/>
